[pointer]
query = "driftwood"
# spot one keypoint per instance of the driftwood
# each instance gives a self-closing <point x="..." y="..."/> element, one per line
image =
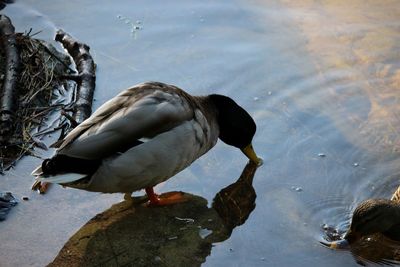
<point x="32" y="77"/>
<point x="86" y="78"/>
<point x="9" y="94"/>
<point x="39" y="87"/>
<point x="86" y="83"/>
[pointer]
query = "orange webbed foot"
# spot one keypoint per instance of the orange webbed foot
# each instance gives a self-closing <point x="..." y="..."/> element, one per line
<point x="164" y="199"/>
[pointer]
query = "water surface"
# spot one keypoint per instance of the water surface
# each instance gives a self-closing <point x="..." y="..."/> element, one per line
<point x="319" y="77"/>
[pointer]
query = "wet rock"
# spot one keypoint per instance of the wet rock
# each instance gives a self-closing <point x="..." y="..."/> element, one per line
<point x="7" y="201"/>
<point x="177" y="235"/>
<point x="25" y="198"/>
<point x="142" y="236"/>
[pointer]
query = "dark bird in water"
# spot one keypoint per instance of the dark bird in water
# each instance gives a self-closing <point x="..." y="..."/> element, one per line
<point x="373" y="216"/>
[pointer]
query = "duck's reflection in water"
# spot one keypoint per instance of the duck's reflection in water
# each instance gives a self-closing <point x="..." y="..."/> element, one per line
<point x="175" y="235"/>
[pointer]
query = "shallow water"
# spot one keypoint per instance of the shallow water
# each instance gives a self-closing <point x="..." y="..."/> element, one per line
<point x="317" y="76"/>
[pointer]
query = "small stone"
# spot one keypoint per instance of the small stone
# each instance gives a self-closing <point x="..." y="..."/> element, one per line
<point x="321" y="155"/>
<point x="262" y="259"/>
<point x="231" y="249"/>
<point x="269" y="93"/>
<point x="157" y="259"/>
<point x="356" y="164"/>
<point x="255" y="98"/>
<point x="119" y="16"/>
<point x="138" y="22"/>
<point x="172" y="238"/>
<point x="25" y="198"/>
<point x="325" y="226"/>
<point x="210" y="220"/>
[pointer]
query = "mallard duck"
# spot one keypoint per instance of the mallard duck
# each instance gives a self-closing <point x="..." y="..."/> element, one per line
<point x="374" y="216"/>
<point x="144" y="136"/>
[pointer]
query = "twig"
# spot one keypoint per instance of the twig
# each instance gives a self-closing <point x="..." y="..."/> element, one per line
<point x="8" y="102"/>
<point x="74" y="123"/>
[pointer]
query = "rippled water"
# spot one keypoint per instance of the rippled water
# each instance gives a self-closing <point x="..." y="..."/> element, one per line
<point x="319" y="77"/>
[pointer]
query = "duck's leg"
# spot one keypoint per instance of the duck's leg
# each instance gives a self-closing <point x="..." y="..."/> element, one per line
<point x="134" y="200"/>
<point x="165" y="199"/>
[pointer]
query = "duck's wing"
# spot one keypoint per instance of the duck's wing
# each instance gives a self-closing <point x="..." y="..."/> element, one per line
<point x="142" y="111"/>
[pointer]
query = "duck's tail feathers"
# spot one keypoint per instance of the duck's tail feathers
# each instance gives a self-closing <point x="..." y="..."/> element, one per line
<point x="61" y="178"/>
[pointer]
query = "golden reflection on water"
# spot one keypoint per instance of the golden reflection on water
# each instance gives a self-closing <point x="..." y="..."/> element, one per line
<point x="356" y="44"/>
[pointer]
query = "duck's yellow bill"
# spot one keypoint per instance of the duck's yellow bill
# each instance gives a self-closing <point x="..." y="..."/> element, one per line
<point x="342" y="244"/>
<point x="249" y="152"/>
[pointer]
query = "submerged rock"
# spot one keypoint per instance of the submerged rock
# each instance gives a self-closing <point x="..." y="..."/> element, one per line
<point x="143" y="236"/>
<point x="182" y="234"/>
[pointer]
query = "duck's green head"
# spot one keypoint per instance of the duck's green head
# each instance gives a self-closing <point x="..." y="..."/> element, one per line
<point x="370" y="217"/>
<point x="236" y="126"/>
